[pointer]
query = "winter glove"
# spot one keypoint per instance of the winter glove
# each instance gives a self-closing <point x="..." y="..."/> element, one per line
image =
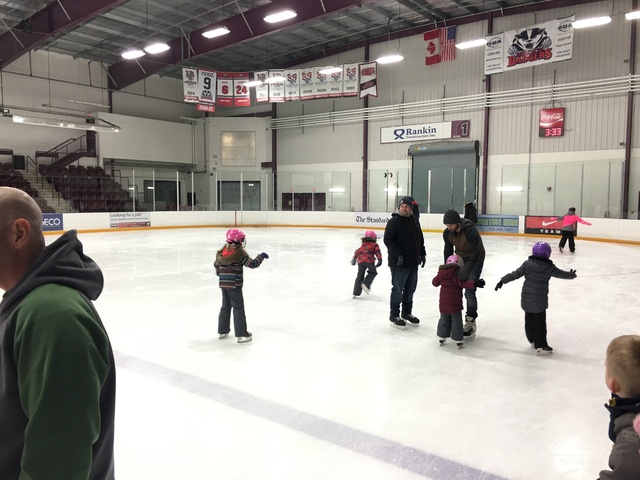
<point x="264" y="255"/>
<point x="400" y="260"/>
<point x="463" y="274"/>
<point x="499" y="285"/>
<point x="378" y="263"/>
<point x="423" y="260"/>
<point x="480" y="283"/>
<point x="574" y="273"/>
<point x="353" y="261"/>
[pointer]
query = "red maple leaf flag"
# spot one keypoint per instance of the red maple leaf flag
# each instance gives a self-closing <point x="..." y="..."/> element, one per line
<point x="441" y="44"/>
<point x="433" y="47"/>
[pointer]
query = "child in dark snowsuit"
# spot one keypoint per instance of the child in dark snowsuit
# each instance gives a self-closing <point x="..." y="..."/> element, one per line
<point x="229" y="263"/>
<point x="365" y="256"/>
<point x="450" y="323"/>
<point x="537" y="272"/>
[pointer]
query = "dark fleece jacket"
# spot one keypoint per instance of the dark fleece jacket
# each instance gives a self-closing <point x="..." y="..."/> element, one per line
<point x="403" y="236"/>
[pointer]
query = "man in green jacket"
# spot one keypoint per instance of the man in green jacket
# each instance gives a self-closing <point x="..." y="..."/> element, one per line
<point x="57" y="388"/>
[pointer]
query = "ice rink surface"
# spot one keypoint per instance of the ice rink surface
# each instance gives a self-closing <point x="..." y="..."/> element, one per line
<point x="328" y="390"/>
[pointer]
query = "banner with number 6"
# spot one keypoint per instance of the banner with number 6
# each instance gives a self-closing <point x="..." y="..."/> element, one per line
<point x="225" y="89"/>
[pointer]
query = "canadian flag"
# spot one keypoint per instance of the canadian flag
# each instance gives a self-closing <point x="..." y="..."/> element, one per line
<point x="432" y="39"/>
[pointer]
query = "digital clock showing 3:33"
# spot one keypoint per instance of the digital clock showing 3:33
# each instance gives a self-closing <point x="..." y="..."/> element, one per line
<point x="551" y="122"/>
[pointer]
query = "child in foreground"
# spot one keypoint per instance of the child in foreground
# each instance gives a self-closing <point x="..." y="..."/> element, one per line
<point x="622" y="377"/>
<point x="229" y="264"/>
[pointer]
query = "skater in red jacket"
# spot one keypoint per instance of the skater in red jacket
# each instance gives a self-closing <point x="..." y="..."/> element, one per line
<point x="365" y="256"/>
<point x="450" y="323"/>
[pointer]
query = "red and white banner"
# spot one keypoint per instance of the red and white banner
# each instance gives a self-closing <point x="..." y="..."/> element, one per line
<point x="350" y="80"/>
<point x="539" y="44"/>
<point x="368" y="79"/>
<point x="207" y="86"/>
<point x="292" y="85"/>
<point x="242" y="96"/>
<point x="190" y="84"/>
<point x="307" y="83"/>
<point x="225" y="89"/>
<point x="335" y="83"/>
<point x="441" y="45"/>
<point x="201" y="107"/>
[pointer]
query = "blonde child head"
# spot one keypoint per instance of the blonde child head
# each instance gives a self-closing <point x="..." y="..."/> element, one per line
<point x="622" y="366"/>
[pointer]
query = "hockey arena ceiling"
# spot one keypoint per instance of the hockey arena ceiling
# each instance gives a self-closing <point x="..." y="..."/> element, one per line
<point x="100" y="30"/>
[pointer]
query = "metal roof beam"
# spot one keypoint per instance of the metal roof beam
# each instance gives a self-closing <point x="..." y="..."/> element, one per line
<point x="49" y="21"/>
<point x="245" y="26"/>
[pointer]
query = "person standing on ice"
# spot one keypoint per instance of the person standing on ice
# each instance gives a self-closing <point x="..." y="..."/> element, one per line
<point x="568" y="228"/>
<point x="368" y="257"/>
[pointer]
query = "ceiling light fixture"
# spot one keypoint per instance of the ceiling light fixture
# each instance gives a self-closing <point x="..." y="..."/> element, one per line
<point x="390" y="59"/>
<point x="131" y="54"/>
<point x="591" y="22"/>
<point x="510" y="189"/>
<point x="45" y="122"/>
<point x="156" y="48"/>
<point x="280" y="16"/>
<point x="216" y="32"/>
<point x="632" y="15"/>
<point x="471" y="43"/>
<point x="330" y="70"/>
<point x="80" y="102"/>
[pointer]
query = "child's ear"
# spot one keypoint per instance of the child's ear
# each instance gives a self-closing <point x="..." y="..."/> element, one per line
<point x="612" y="384"/>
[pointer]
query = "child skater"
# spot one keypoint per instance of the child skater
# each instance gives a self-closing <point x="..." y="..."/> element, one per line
<point x="622" y="377"/>
<point x="450" y="323"/>
<point x="230" y="260"/>
<point x="568" y="228"/>
<point x="534" y="300"/>
<point x="365" y="256"/>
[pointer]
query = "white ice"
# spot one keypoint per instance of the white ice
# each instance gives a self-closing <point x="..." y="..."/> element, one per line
<point x="328" y="390"/>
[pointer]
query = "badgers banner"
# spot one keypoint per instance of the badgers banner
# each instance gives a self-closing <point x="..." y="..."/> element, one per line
<point x="527" y="47"/>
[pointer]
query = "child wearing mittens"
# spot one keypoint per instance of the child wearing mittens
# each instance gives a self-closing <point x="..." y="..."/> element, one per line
<point x="365" y="256"/>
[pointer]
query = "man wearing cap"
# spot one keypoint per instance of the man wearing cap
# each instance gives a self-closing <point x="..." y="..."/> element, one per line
<point x="462" y="238"/>
<point x="405" y="243"/>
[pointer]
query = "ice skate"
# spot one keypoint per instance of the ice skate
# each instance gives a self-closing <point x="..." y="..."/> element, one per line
<point x="469" y="328"/>
<point x="365" y="289"/>
<point x="560" y="248"/>
<point x="460" y="345"/>
<point x="411" y="319"/>
<point x="223" y="335"/>
<point x="246" y="339"/>
<point x="544" y="351"/>
<point x="397" y="322"/>
<point x="441" y="341"/>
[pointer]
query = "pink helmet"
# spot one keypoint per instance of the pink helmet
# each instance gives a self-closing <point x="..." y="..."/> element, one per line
<point x="370" y="234"/>
<point x="235" y="236"/>
<point x="455" y="259"/>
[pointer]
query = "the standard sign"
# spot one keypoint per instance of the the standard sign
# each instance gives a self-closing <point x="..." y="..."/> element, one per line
<point x="425" y="131"/>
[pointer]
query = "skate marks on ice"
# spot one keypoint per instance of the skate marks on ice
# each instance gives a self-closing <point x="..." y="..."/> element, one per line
<point x="402" y="456"/>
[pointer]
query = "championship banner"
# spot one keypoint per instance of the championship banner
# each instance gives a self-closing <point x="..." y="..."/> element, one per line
<point x="262" y="91"/>
<point x="335" y="83"/>
<point x="350" y="80"/>
<point x="292" y="85"/>
<point x="321" y="84"/>
<point x="190" y="84"/>
<point x="536" y="45"/>
<point x="368" y="79"/>
<point x="242" y="97"/>
<point x="207" y="86"/>
<point x="276" y="90"/>
<point x="225" y="89"/>
<point x="306" y="83"/>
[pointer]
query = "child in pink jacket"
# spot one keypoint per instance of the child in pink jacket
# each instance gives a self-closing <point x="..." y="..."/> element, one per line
<point x="569" y="228"/>
<point x="365" y="256"/>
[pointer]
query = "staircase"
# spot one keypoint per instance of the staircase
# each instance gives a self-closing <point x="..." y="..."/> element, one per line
<point x="47" y="192"/>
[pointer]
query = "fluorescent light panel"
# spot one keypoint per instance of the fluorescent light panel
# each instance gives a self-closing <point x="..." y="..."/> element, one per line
<point x="510" y="189"/>
<point x="280" y="16"/>
<point x="156" y="48"/>
<point x="45" y="122"/>
<point x="337" y="190"/>
<point x="274" y="80"/>
<point x="591" y="22"/>
<point x="633" y="15"/>
<point x="216" y="32"/>
<point x="131" y="54"/>
<point x="471" y="43"/>
<point x="390" y="59"/>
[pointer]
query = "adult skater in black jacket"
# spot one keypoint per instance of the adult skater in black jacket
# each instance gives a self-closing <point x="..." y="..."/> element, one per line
<point x="405" y="243"/>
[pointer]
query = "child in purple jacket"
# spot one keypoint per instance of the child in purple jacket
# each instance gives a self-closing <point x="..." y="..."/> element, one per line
<point x="450" y="323"/>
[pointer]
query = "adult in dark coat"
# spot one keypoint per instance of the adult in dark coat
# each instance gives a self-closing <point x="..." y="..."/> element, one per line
<point x="405" y="244"/>
<point x="462" y="238"/>
<point x="470" y="213"/>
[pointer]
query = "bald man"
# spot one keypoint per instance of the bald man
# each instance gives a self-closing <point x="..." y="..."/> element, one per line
<point x="57" y="372"/>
